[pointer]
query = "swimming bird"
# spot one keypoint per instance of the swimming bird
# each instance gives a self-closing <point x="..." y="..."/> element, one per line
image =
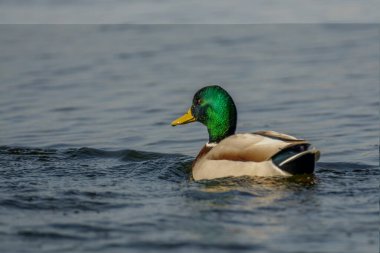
<point x="227" y="154"/>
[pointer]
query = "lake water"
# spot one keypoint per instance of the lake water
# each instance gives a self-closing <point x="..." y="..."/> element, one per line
<point x="187" y="12"/>
<point x="90" y="163"/>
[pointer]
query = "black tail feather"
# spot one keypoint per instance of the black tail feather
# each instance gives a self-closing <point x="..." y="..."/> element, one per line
<point x="298" y="159"/>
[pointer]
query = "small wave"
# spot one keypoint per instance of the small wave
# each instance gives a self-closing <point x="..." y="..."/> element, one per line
<point x="7" y="150"/>
<point x="82" y="228"/>
<point x="71" y="70"/>
<point x="140" y="54"/>
<point x="178" y="245"/>
<point x="227" y="41"/>
<point x="86" y="152"/>
<point x="217" y="193"/>
<point x="346" y="167"/>
<point x="33" y="234"/>
<point x="94" y="194"/>
<point x="63" y="203"/>
<point x="124" y="155"/>
<point x="66" y="109"/>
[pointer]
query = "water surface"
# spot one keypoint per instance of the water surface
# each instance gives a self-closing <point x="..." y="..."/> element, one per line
<point x="89" y="161"/>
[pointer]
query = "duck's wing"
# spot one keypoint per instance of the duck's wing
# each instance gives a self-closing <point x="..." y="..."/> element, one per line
<point x="278" y="136"/>
<point x="256" y="147"/>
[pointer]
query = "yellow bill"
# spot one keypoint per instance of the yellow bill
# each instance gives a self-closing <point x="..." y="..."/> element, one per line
<point x="186" y="118"/>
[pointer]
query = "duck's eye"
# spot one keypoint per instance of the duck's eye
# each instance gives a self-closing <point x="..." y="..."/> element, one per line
<point x="199" y="101"/>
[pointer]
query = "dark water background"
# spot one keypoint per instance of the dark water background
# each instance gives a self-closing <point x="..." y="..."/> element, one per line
<point x="89" y="162"/>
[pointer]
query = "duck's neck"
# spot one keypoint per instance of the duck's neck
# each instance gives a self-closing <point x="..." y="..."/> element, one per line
<point x="221" y="129"/>
<point x="216" y="136"/>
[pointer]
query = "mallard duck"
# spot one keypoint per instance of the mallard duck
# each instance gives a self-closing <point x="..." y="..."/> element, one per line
<point x="227" y="154"/>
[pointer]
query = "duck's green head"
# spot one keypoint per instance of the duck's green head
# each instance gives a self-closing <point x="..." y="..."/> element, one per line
<point x="214" y="108"/>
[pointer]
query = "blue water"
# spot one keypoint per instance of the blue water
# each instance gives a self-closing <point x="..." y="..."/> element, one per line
<point x="90" y="163"/>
